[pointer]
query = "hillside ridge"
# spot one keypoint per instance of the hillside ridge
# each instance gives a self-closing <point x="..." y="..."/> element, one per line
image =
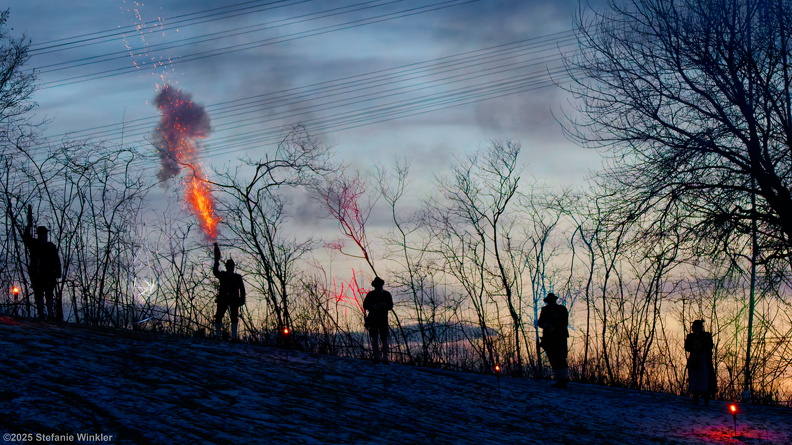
<point x="65" y="381"/>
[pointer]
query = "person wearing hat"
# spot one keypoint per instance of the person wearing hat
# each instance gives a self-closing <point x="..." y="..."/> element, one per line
<point x="554" y="319"/>
<point x="701" y="372"/>
<point x="378" y="303"/>
<point x="230" y="295"/>
<point x="44" y="269"/>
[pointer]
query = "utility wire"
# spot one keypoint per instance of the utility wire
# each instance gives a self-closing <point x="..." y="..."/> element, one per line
<point x="203" y="38"/>
<point x="95" y="37"/>
<point x="339" y="122"/>
<point x="359" y="98"/>
<point x="255" y="44"/>
<point x="390" y="111"/>
<point x="353" y="84"/>
<point x="318" y="100"/>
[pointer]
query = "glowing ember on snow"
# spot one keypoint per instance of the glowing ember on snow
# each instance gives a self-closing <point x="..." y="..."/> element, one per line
<point x="182" y="125"/>
<point x="724" y="434"/>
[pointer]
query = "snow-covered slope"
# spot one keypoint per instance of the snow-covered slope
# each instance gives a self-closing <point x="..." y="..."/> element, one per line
<point x="60" y="382"/>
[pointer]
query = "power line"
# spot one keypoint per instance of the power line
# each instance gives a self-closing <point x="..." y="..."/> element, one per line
<point x="384" y="113"/>
<point x="257" y="44"/>
<point x="406" y="107"/>
<point x="208" y="37"/>
<point x="361" y="97"/>
<point x="108" y="34"/>
<point x="392" y="110"/>
<point x="387" y="113"/>
<point x="402" y="90"/>
<point x="448" y="64"/>
<point x="374" y="97"/>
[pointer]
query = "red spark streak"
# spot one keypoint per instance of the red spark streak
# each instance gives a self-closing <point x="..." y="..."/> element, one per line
<point x="352" y="287"/>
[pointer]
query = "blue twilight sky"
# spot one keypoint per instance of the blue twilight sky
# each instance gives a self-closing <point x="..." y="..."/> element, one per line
<point x="423" y="80"/>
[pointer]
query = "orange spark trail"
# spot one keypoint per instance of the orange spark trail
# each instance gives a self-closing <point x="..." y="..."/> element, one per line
<point x="199" y="198"/>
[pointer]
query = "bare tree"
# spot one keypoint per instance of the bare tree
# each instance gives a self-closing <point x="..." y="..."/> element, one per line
<point x="418" y="267"/>
<point x="16" y="84"/>
<point x="16" y="87"/>
<point x="346" y="200"/>
<point x="472" y="224"/>
<point x="255" y="205"/>
<point x="541" y="215"/>
<point x="692" y="100"/>
<point x="174" y="287"/>
<point x="585" y="230"/>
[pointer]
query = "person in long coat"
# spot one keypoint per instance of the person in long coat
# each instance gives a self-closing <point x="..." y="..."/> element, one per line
<point x="701" y="372"/>
<point x="377" y="304"/>
<point x="554" y="321"/>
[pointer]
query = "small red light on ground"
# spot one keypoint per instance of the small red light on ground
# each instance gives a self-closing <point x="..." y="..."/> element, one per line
<point x="15" y="290"/>
<point x="286" y="331"/>
<point x="733" y="408"/>
<point x="497" y="368"/>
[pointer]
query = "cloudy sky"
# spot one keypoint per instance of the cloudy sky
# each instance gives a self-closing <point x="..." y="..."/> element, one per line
<point x="423" y="80"/>
<point x="373" y="78"/>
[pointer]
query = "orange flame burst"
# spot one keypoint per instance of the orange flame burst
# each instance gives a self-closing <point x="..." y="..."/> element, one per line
<point x="199" y="197"/>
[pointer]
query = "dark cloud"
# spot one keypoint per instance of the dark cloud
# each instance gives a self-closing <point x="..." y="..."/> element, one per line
<point x="182" y="122"/>
<point x="529" y="112"/>
<point x="501" y="21"/>
<point x="245" y="91"/>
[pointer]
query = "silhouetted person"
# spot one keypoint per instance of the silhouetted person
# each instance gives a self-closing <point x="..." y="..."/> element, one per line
<point x="378" y="303"/>
<point x="44" y="269"/>
<point x="701" y="372"/>
<point x="230" y="296"/>
<point x="553" y="319"/>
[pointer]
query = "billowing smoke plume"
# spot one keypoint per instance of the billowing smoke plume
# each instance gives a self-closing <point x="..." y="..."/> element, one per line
<point x="182" y="125"/>
<point x="183" y="122"/>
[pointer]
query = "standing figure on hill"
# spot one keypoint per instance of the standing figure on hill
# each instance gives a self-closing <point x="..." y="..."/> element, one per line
<point x="701" y="372"/>
<point x="44" y="268"/>
<point x="378" y="303"/>
<point x="553" y="319"/>
<point x="230" y="295"/>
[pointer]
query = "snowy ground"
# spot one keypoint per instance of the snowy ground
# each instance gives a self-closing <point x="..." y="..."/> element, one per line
<point x="60" y="381"/>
